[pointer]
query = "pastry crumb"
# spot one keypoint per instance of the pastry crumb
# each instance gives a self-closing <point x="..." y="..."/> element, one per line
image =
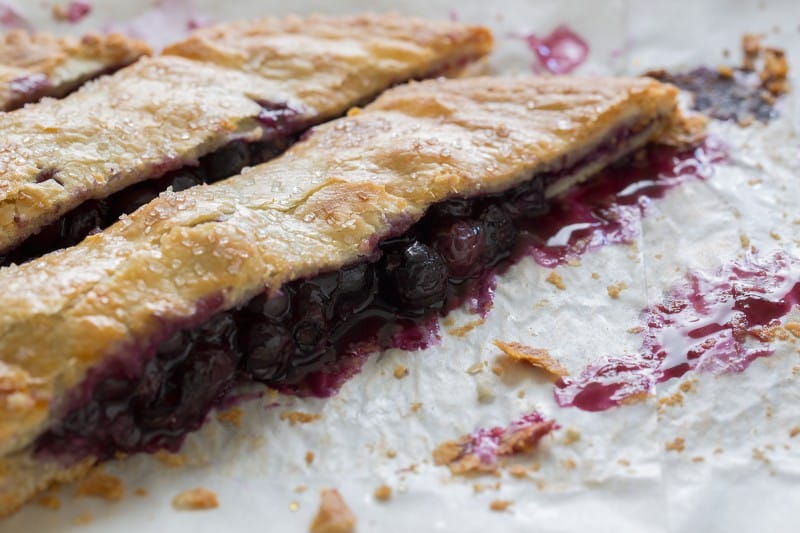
<point x="383" y="493"/>
<point x="571" y="436"/>
<point x="569" y="464"/>
<point x="197" y="499"/>
<point x="671" y="400"/>
<point x="83" y="519"/>
<point x="518" y="471"/>
<point x="793" y="328"/>
<point x="698" y="459"/>
<point x="595" y="275"/>
<point x="623" y="462"/>
<point x="635" y="330"/>
<point x="795" y="431"/>
<point x="100" y="484"/>
<point x="688" y="385"/>
<point x="616" y="288"/>
<point x="232" y="416"/>
<point x="485" y="393"/>
<point x="555" y="279"/>
<point x="416" y="406"/>
<point x="675" y="445"/>
<point x="333" y="516"/>
<point x="461" y="331"/>
<point x="309" y="457"/>
<point x="170" y="459"/>
<point x="400" y="371"/>
<point x="536" y="357"/>
<point x="744" y="241"/>
<point x="500" y="505"/>
<point x="475" y="368"/>
<point x="299" y="417"/>
<point x="299" y="489"/>
<point x="141" y="492"/>
<point x="391" y="454"/>
<point x="51" y="501"/>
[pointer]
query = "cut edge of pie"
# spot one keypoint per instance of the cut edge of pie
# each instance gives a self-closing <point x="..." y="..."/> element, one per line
<point x="34" y="66"/>
<point x="326" y="203"/>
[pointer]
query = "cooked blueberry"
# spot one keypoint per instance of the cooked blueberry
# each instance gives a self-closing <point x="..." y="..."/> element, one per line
<point x="417" y="275"/>
<point x="85" y="219"/>
<point x="356" y="289"/>
<point x="267" y="349"/>
<point x="453" y="208"/>
<point x="123" y="432"/>
<point x="227" y="161"/>
<point x="220" y="330"/>
<point x="462" y="247"/>
<point x="204" y="377"/>
<point x="528" y="200"/>
<point x="83" y="420"/>
<point x="176" y="346"/>
<point x="500" y="233"/>
<point x="111" y="389"/>
<point x="309" y="333"/>
<point x="129" y="200"/>
<point x="180" y="181"/>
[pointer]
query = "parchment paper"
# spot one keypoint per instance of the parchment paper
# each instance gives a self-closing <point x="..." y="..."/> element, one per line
<point x="740" y="468"/>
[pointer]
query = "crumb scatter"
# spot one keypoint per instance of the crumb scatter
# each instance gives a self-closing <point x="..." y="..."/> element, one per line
<point x="196" y="499"/>
<point x="333" y="515"/>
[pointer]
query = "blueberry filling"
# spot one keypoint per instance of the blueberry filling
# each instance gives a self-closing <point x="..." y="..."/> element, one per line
<point x="300" y="332"/>
<point x="94" y="215"/>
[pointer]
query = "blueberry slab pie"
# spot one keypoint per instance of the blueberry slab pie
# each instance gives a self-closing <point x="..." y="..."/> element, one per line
<point x="228" y="96"/>
<point x="123" y="343"/>
<point x="33" y="66"/>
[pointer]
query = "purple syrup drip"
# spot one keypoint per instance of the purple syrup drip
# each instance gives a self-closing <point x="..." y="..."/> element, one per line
<point x="703" y="324"/>
<point x="560" y="52"/>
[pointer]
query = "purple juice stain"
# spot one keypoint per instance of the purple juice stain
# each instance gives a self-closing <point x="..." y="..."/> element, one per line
<point x="76" y="11"/>
<point x="560" y="52"/>
<point x="10" y="18"/>
<point x="709" y="323"/>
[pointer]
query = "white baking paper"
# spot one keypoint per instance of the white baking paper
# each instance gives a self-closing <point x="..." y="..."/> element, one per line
<point x="740" y="470"/>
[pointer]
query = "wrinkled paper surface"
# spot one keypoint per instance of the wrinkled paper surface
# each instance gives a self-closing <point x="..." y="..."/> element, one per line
<point x="740" y="470"/>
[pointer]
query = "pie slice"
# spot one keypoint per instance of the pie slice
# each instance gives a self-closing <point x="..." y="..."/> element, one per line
<point x="123" y="343"/>
<point x="228" y="96"/>
<point x="33" y="66"/>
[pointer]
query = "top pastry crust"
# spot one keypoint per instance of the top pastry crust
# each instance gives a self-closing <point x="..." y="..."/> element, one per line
<point x="164" y="112"/>
<point x="33" y="66"/>
<point x="325" y="203"/>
